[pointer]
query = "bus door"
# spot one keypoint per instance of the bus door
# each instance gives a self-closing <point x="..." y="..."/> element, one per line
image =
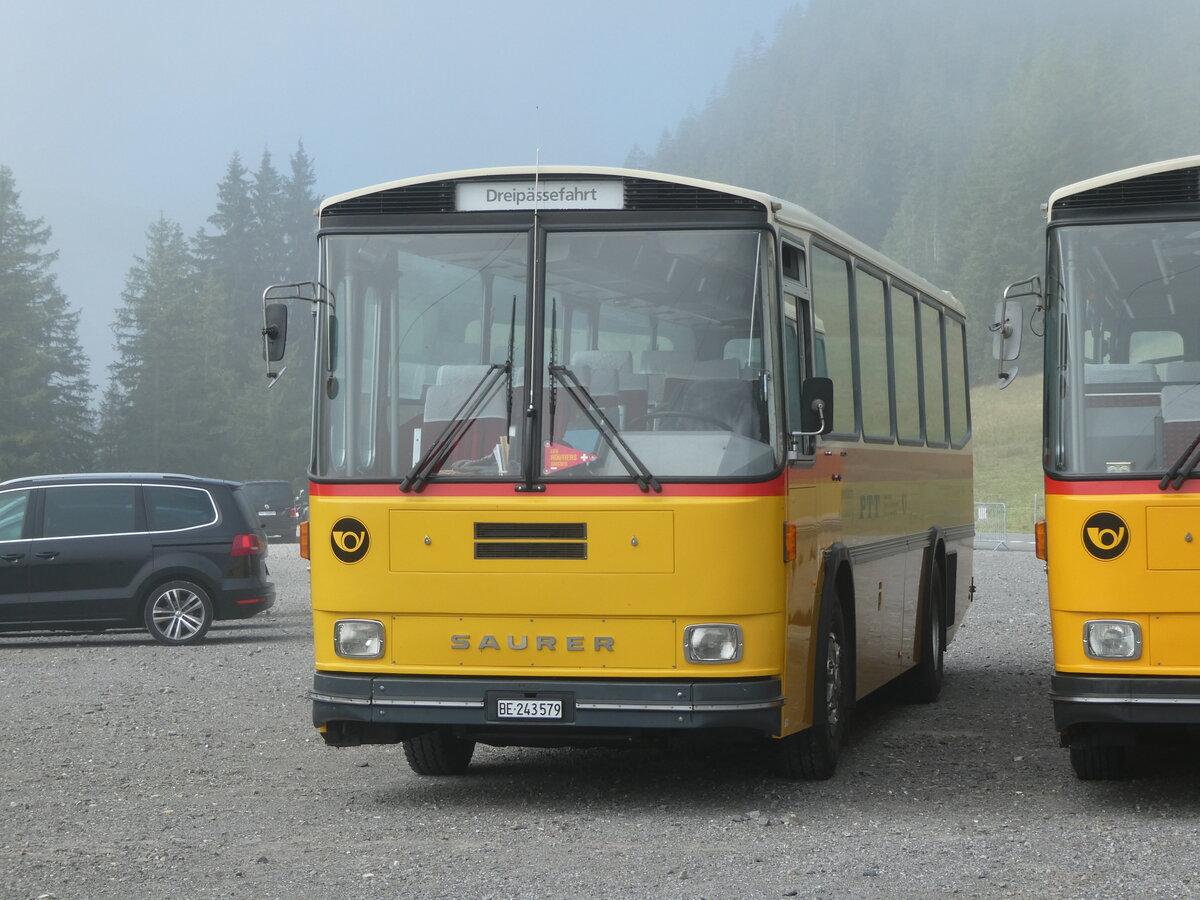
<point x="804" y="499"/>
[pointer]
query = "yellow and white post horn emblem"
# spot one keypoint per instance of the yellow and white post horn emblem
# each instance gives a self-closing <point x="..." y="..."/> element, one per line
<point x="349" y="539"/>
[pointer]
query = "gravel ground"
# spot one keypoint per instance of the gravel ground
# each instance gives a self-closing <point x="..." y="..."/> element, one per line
<point x="131" y="770"/>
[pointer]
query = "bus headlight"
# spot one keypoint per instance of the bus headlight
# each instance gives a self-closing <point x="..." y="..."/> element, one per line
<point x="1112" y="639"/>
<point x="712" y="643"/>
<point x="358" y="638"/>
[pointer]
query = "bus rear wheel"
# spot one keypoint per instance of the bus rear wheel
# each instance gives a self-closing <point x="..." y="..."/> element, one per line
<point x="924" y="680"/>
<point x="812" y="754"/>
<point x="438" y="752"/>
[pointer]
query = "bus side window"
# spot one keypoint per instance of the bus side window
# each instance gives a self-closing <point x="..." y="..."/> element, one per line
<point x="796" y="363"/>
<point x="791" y="361"/>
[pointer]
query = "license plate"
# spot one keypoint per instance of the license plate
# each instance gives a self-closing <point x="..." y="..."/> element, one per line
<point x="529" y="709"/>
<point x="269" y="512"/>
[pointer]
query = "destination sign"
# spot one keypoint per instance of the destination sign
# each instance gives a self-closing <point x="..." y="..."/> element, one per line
<point x="493" y="196"/>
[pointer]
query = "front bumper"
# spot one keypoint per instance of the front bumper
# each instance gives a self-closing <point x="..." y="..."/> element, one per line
<point x="1130" y="700"/>
<point x="593" y="705"/>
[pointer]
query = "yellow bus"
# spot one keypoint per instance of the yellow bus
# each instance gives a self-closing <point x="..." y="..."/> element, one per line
<point x="1122" y="431"/>
<point x="603" y="456"/>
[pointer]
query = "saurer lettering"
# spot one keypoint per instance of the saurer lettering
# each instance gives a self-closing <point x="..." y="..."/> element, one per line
<point x="572" y="643"/>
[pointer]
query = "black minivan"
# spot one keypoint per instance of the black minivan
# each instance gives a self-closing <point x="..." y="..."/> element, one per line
<point x="273" y="503"/>
<point x="170" y="553"/>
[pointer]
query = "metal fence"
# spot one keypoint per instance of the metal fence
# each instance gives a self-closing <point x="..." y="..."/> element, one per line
<point x="991" y="526"/>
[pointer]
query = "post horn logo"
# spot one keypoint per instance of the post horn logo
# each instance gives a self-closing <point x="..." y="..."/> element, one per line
<point x="349" y="540"/>
<point x="1105" y="535"/>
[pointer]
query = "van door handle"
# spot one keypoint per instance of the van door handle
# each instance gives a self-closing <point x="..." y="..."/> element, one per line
<point x="13" y="557"/>
<point x="46" y="554"/>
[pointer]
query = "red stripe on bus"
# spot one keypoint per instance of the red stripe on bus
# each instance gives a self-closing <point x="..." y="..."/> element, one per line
<point x="772" y="488"/>
<point x="1092" y="488"/>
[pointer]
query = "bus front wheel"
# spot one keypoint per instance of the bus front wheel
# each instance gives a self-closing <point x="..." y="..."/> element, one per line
<point x="812" y="754"/>
<point x="1095" y="759"/>
<point x="438" y="752"/>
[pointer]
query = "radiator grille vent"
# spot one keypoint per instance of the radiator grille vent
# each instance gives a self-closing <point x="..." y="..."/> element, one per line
<point x="531" y="540"/>
<point x="529" y="550"/>
<point x="531" y="531"/>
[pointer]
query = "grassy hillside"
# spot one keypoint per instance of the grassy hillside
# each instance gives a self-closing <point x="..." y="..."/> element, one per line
<point x="1008" y="447"/>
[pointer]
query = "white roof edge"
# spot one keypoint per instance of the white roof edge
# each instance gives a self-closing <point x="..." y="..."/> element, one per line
<point x="1166" y="165"/>
<point x="783" y="211"/>
<point x="532" y="171"/>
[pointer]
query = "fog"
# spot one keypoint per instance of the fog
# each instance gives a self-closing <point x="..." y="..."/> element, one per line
<point x="117" y="113"/>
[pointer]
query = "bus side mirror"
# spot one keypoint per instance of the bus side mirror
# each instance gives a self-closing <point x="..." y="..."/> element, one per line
<point x="816" y="407"/>
<point x="275" y="318"/>
<point x="1006" y="330"/>
<point x="1006" y="339"/>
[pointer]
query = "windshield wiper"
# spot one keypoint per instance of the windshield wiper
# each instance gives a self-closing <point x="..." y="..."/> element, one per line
<point x="1182" y="467"/>
<point x="636" y="468"/>
<point x="453" y="431"/>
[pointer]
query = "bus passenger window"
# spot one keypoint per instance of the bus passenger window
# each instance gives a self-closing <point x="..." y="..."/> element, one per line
<point x="907" y="374"/>
<point x="871" y="334"/>
<point x="831" y="301"/>
<point x="931" y="368"/>
<point x="956" y="371"/>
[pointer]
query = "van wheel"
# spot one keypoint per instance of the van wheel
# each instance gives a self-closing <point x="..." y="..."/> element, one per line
<point x="178" y="612"/>
<point x="438" y="752"/>
<point x="924" y="681"/>
<point x="812" y="754"/>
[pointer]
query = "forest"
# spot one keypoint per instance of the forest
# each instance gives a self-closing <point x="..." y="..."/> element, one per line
<point x="186" y="392"/>
<point x="936" y="130"/>
<point x="932" y="130"/>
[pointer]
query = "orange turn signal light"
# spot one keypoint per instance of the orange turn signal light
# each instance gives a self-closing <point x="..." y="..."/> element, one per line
<point x="304" y="539"/>
<point x="1039" y="539"/>
<point x="789" y="542"/>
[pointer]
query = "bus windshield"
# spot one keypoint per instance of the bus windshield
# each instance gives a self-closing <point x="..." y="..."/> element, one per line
<point x="651" y="356"/>
<point x="1125" y="300"/>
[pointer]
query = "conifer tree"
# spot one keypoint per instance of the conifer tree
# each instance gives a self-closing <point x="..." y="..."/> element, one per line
<point x="44" y="390"/>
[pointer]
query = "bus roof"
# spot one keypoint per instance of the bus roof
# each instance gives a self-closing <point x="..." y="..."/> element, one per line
<point x="1091" y="184"/>
<point x="782" y="211"/>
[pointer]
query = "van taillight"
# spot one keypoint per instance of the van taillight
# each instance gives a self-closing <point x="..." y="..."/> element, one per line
<point x="247" y="545"/>
<point x="294" y="513"/>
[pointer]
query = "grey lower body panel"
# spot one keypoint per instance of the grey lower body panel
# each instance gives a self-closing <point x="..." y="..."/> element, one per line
<point x="587" y="704"/>
<point x="1139" y="700"/>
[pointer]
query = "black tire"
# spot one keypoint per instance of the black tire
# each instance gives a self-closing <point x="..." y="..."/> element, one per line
<point x="812" y="754"/>
<point x="924" y="681"/>
<point x="178" y="613"/>
<point x="438" y="752"/>
<point x="1094" y="760"/>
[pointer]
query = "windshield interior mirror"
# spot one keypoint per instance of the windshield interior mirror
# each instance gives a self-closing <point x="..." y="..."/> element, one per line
<point x="816" y="407"/>
<point x="275" y="319"/>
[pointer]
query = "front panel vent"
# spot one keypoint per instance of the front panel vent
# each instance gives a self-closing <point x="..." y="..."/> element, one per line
<point x="646" y="194"/>
<point x="1176" y="186"/>
<point x="433" y="197"/>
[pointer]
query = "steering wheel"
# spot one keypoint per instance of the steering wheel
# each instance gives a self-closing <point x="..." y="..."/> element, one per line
<point x="682" y="414"/>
